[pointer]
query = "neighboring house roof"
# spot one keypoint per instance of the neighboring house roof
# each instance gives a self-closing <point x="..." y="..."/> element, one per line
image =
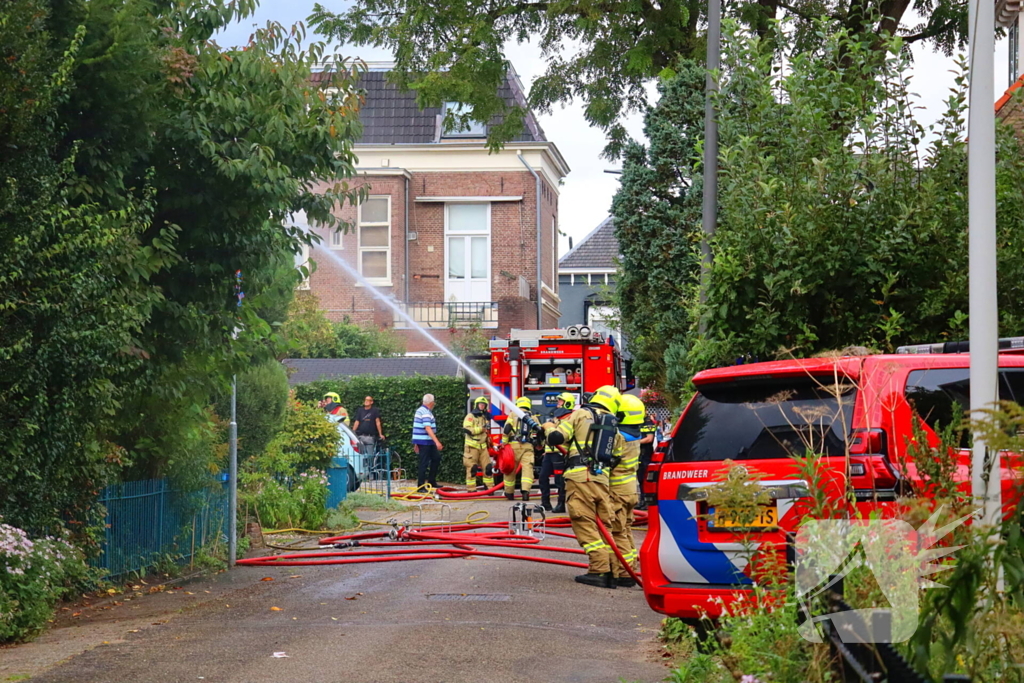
<point x="1010" y="107"/>
<point x="391" y="116"/>
<point x="599" y="249"/>
<point x="303" y="370"/>
<point x="1001" y="102"/>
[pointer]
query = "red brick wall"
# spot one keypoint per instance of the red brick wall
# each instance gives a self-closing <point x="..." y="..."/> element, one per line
<point x="513" y="247"/>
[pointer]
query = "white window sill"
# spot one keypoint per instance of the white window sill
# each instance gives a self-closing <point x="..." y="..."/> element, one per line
<point x="377" y="283"/>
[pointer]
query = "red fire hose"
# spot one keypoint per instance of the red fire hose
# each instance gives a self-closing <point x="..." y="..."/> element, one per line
<point x="461" y="541"/>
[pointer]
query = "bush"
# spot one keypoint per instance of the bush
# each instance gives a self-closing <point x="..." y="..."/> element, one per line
<point x="262" y="398"/>
<point x="34" y="575"/>
<point x="286" y="484"/>
<point x="311" y="335"/>
<point x="281" y="501"/>
<point x="397" y="399"/>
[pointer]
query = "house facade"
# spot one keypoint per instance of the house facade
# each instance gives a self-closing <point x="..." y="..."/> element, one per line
<point x="449" y="231"/>
<point x="586" y="280"/>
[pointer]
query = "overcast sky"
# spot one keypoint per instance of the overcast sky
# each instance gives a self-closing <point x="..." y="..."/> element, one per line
<point x="587" y="193"/>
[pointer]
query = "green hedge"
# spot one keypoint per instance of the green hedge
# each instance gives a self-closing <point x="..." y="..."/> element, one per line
<point x="397" y="399"/>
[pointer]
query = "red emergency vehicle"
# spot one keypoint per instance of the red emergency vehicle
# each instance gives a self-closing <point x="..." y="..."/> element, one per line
<point x="541" y="364"/>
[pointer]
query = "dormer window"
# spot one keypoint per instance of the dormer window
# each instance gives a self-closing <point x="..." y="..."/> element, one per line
<point x="471" y="129"/>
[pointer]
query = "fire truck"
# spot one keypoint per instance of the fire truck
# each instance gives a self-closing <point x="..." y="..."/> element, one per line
<point x="541" y="364"/>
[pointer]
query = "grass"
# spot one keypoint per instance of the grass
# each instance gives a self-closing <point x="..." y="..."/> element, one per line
<point x="372" y="501"/>
<point x="344" y="517"/>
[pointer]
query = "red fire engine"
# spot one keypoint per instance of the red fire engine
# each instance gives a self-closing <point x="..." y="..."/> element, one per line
<point x="541" y="364"/>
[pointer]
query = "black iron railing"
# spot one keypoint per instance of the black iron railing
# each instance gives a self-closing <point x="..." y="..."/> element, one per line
<point x="441" y="314"/>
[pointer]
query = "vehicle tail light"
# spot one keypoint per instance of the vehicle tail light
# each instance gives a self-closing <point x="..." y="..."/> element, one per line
<point x="650" y="484"/>
<point x="871" y="474"/>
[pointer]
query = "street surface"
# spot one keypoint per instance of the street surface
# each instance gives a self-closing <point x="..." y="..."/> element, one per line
<point x="452" y="621"/>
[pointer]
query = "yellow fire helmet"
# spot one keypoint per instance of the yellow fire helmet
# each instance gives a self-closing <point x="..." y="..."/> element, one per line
<point x="524" y="402"/>
<point x="632" y="410"/>
<point x="568" y="400"/>
<point x="331" y="396"/>
<point x="481" y="400"/>
<point x="608" y="398"/>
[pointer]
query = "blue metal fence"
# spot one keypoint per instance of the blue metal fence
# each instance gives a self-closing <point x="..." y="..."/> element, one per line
<point x="147" y="520"/>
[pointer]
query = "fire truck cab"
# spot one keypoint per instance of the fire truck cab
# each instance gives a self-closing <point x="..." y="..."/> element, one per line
<point x="541" y="364"/>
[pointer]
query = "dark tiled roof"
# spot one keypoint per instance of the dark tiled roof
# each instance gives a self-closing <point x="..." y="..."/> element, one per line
<point x="391" y="116"/>
<point x="303" y="370"/>
<point x="599" y="249"/>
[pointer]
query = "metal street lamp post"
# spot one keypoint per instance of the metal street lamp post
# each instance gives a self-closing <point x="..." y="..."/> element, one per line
<point x="709" y="208"/>
<point x="984" y="16"/>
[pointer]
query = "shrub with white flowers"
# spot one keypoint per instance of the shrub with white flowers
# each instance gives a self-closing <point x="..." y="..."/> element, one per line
<point x="34" y="575"/>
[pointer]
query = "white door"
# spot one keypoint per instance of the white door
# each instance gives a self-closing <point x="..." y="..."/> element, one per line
<point x="467" y="252"/>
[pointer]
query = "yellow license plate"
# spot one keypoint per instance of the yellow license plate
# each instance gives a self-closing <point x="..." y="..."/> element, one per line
<point x="769" y="517"/>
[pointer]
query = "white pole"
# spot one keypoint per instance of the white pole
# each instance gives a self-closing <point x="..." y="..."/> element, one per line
<point x="233" y="478"/>
<point x="981" y="182"/>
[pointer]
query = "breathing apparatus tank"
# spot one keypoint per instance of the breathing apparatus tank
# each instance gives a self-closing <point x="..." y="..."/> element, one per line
<point x="599" y="446"/>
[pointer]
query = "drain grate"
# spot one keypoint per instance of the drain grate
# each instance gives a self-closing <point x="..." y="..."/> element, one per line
<point x="464" y="597"/>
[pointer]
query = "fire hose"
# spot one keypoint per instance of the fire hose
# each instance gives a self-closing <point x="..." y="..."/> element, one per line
<point x="405" y="544"/>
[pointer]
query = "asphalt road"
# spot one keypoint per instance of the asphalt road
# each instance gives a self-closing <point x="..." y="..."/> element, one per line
<point x="454" y="620"/>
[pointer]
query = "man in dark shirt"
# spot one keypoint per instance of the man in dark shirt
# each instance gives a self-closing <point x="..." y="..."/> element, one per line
<point x="367" y="426"/>
<point x="647" y="432"/>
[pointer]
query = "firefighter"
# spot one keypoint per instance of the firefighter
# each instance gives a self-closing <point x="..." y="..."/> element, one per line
<point x="647" y="432"/>
<point x="622" y="484"/>
<point x="475" y="457"/>
<point x="518" y="435"/>
<point x="331" y="404"/>
<point x="584" y="434"/>
<point x="553" y="462"/>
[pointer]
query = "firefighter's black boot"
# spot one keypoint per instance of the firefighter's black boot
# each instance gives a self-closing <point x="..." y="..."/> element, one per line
<point x="526" y="496"/>
<point x="510" y="494"/>
<point x="605" y="580"/>
<point x="625" y="582"/>
<point x="559" y="508"/>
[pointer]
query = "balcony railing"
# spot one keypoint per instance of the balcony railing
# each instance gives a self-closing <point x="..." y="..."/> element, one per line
<point x="448" y="314"/>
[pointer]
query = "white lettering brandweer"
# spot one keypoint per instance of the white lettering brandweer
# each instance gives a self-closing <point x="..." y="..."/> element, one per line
<point x="687" y="474"/>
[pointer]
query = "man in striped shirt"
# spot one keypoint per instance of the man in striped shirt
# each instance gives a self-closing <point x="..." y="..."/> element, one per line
<point x="425" y="443"/>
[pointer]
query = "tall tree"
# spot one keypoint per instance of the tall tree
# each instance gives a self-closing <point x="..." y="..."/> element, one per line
<point x="657" y="214"/>
<point x="602" y="52"/>
<point x="828" y="236"/>
<point x="141" y="168"/>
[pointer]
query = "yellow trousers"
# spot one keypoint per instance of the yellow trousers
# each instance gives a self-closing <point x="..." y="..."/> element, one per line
<point x="586" y="502"/>
<point x="524" y="457"/>
<point x="473" y="456"/>
<point x="623" y="499"/>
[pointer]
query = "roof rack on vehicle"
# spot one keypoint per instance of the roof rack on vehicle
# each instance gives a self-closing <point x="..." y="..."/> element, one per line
<point x="1005" y="344"/>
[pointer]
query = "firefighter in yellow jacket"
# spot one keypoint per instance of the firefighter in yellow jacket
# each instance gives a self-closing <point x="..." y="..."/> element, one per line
<point x="517" y="434"/>
<point x="622" y="484"/>
<point x="586" y="482"/>
<point x="475" y="458"/>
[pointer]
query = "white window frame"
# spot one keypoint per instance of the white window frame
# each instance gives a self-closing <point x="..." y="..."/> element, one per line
<point x="359" y="241"/>
<point x="331" y="234"/>
<point x="304" y="283"/>
<point x="476" y="129"/>
<point x="487" y="232"/>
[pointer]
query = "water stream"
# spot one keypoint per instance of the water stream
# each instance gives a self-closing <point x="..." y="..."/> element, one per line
<point x="506" y="402"/>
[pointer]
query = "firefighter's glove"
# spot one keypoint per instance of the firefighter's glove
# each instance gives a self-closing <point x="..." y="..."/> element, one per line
<point x="556" y="438"/>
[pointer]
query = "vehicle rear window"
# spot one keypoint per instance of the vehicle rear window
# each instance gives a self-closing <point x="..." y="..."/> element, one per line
<point x="939" y="394"/>
<point x="765" y="420"/>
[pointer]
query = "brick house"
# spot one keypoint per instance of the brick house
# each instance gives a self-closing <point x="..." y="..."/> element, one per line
<point x="449" y="230"/>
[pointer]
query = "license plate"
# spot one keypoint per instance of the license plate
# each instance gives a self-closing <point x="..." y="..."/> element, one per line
<point x="768" y="517"/>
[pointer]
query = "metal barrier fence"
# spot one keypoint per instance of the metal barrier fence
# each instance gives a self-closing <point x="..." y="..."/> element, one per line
<point x="375" y="470"/>
<point x="148" y="519"/>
